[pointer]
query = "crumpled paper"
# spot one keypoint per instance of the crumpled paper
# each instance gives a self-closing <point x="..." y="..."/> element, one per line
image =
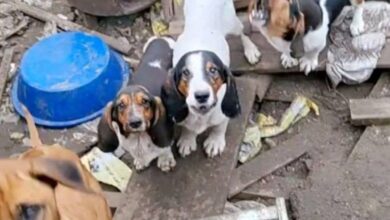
<point x="267" y="126"/>
<point x="353" y="59"/>
<point x="107" y="168"/>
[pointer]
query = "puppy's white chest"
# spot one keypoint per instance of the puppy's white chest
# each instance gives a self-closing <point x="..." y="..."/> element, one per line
<point x="199" y="123"/>
<point x="138" y="145"/>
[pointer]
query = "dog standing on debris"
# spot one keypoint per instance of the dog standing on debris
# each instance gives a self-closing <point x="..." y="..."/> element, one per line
<point x="201" y="91"/>
<point x="49" y="183"/>
<point x="281" y="21"/>
<point x="136" y="120"/>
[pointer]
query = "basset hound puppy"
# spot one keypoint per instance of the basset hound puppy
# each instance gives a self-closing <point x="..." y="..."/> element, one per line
<point x="136" y="120"/>
<point x="49" y="183"/>
<point x="201" y="93"/>
<point x="281" y="21"/>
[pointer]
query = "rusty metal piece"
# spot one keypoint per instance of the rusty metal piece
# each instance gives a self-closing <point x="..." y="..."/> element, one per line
<point x="111" y="7"/>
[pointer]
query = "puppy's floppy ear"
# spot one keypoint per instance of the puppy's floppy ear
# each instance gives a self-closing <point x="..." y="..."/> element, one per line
<point x="173" y="100"/>
<point x="107" y="138"/>
<point x="161" y="131"/>
<point x="108" y="114"/>
<point x="300" y="24"/>
<point x="159" y="110"/>
<point x="62" y="171"/>
<point x="230" y="104"/>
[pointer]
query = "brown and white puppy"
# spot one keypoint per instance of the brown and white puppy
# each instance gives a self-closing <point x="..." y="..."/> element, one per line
<point x="49" y="183"/>
<point x="201" y="94"/>
<point x="281" y="21"/>
<point x="136" y="120"/>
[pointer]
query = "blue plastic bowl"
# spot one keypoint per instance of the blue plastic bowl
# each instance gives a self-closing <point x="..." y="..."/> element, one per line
<point x="67" y="79"/>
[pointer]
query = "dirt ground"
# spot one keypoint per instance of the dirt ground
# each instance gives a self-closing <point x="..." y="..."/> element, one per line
<point x="323" y="184"/>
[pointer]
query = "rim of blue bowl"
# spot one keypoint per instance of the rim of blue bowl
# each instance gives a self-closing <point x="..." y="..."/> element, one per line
<point x="126" y="71"/>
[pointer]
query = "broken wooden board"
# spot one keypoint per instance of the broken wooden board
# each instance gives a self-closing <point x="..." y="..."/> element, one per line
<point x="5" y="68"/>
<point x="381" y="89"/>
<point x="370" y="111"/>
<point x="263" y="165"/>
<point x="198" y="186"/>
<point x="273" y="188"/>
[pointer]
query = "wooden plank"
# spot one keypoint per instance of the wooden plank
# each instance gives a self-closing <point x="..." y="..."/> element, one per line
<point x="114" y="199"/>
<point x="263" y="165"/>
<point x="276" y="187"/>
<point x="5" y="68"/>
<point x="381" y="89"/>
<point x="198" y="187"/>
<point x="370" y="111"/>
<point x="119" y="45"/>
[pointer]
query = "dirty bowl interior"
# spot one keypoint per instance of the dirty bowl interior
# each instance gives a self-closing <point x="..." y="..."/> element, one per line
<point x="67" y="79"/>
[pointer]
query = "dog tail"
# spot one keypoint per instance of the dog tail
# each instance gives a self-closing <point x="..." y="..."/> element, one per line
<point x="34" y="135"/>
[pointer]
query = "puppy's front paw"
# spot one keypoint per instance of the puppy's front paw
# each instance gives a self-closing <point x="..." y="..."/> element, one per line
<point x="251" y="51"/>
<point x="308" y="64"/>
<point x="357" y="27"/>
<point x="139" y="165"/>
<point x="166" y="162"/>
<point x="288" y="61"/>
<point x="252" y="54"/>
<point x="186" y="144"/>
<point x="214" y="145"/>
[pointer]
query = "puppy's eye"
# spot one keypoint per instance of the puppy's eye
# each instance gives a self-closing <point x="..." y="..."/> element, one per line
<point x="121" y="106"/>
<point x="186" y="73"/>
<point x="145" y="102"/>
<point x="213" y="70"/>
<point x="29" y="212"/>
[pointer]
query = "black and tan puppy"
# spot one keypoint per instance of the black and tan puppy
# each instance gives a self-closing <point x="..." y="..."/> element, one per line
<point x="280" y="21"/>
<point x="136" y="120"/>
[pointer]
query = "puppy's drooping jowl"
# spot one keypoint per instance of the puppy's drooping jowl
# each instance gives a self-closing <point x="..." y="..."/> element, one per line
<point x="281" y="21"/>
<point x="49" y="183"/>
<point x="201" y="92"/>
<point x="136" y="120"/>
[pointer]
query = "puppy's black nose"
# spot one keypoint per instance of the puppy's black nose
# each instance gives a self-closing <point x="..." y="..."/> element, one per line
<point x="202" y="97"/>
<point x="135" y="123"/>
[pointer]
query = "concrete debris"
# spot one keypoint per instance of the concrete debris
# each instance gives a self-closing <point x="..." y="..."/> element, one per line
<point x="44" y="4"/>
<point x="16" y="136"/>
<point x="49" y="29"/>
<point x="84" y="138"/>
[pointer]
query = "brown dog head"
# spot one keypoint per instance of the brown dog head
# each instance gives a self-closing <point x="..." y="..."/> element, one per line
<point x="48" y="183"/>
<point x="135" y="110"/>
<point x="282" y="18"/>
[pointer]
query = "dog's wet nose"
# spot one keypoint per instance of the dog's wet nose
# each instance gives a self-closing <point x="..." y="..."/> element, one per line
<point x="202" y="96"/>
<point x="135" y="123"/>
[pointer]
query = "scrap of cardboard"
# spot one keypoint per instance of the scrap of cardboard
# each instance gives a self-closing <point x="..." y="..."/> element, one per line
<point x="107" y="168"/>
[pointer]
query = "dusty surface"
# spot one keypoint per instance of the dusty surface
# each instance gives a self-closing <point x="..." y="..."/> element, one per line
<point x="320" y="185"/>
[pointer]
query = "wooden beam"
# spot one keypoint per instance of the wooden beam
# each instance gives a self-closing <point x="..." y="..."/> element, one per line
<point x="4" y="69"/>
<point x="119" y="45"/>
<point x="263" y="165"/>
<point x="370" y="111"/>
